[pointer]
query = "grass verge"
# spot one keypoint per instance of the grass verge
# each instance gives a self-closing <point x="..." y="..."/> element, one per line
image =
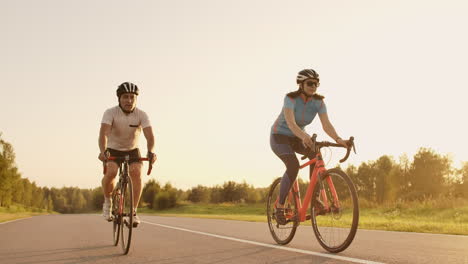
<point x="411" y="219"/>
<point x="15" y="212"/>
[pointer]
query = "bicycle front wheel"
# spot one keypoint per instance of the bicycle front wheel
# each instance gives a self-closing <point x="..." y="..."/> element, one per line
<point x="282" y="234"/>
<point x="126" y="225"/>
<point x="116" y="216"/>
<point x="335" y="211"/>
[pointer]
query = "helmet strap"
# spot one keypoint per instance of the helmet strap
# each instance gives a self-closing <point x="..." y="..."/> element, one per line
<point x="301" y="87"/>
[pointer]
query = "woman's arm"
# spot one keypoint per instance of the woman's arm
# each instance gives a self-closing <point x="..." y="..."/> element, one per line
<point x="329" y="129"/>
<point x="291" y="121"/>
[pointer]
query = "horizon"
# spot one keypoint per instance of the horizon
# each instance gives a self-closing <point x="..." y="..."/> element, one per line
<point x="396" y="160"/>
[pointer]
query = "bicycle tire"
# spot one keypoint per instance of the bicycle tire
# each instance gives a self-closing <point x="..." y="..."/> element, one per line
<point x="338" y="224"/>
<point x="282" y="234"/>
<point x="116" y="218"/>
<point x="126" y="225"/>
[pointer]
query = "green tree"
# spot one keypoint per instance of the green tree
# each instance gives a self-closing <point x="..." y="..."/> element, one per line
<point x="199" y="194"/>
<point x="38" y="196"/>
<point x="404" y="167"/>
<point x="216" y="194"/>
<point x="50" y="204"/>
<point x="253" y="195"/>
<point x="234" y="192"/>
<point x="461" y="185"/>
<point x="18" y="191"/>
<point x="97" y="198"/>
<point x="78" y="202"/>
<point x="228" y="191"/>
<point x="60" y="203"/>
<point x="387" y="184"/>
<point x="166" y="198"/>
<point x="9" y="175"/>
<point x="365" y="181"/>
<point x="428" y="172"/>
<point x="151" y="189"/>
<point x="28" y="193"/>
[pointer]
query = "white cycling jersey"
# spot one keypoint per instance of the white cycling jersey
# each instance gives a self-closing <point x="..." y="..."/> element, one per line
<point x="126" y="128"/>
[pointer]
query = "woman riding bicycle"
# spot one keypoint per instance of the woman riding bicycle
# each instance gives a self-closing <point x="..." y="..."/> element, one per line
<point x="287" y="133"/>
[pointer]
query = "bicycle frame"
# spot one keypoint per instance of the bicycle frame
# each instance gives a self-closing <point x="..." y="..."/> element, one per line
<point x="118" y="194"/>
<point x="318" y="170"/>
<point x="123" y="174"/>
<point x="333" y="224"/>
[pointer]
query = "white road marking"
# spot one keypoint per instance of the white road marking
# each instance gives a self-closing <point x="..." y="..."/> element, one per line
<point x="14" y="220"/>
<point x="307" y="252"/>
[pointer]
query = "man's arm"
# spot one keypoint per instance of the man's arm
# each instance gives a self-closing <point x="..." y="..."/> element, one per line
<point x="103" y="135"/>
<point x="148" y="132"/>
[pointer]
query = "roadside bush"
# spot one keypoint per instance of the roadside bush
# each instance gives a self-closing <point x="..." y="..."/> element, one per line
<point x="165" y="200"/>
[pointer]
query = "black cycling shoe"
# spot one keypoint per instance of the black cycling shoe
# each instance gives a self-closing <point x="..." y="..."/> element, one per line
<point x="279" y="215"/>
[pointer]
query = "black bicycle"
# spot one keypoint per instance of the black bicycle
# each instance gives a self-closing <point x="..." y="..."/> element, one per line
<point x="122" y="203"/>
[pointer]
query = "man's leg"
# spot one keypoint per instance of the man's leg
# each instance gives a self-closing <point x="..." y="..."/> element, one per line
<point x="107" y="187"/>
<point x="135" y="174"/>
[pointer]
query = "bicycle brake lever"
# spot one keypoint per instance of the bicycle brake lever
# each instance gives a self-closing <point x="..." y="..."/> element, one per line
<point x="150" y="168"/>
<point x="351" y="139"/>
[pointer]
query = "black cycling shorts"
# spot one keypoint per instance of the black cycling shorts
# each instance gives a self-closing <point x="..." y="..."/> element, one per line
<point x="134" y="155"/>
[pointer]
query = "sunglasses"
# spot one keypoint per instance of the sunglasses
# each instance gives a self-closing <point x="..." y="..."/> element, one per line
<point x="312" y="84"/>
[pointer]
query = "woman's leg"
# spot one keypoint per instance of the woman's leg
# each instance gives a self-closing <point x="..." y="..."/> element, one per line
<point x="286" y="153"/>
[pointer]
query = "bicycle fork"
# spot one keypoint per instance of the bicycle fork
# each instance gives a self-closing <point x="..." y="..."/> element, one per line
<point x="323" y="201"/>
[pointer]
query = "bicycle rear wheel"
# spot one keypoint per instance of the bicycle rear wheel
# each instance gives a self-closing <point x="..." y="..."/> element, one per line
<point x="116" y="217"/>
<point x="126" y="225"/>
<point x="282" y="234"/>
<point x="335" y="226"/>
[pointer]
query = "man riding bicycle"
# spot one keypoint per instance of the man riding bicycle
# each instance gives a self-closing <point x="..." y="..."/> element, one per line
<point x="120" y="130"/>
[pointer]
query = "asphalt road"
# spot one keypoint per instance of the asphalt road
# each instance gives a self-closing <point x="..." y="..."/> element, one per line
<point x="88" y="239"/>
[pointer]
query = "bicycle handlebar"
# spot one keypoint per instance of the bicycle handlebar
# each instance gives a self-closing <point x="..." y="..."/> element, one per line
<point x="122" y="159"/>
<point x="319" y="145"/>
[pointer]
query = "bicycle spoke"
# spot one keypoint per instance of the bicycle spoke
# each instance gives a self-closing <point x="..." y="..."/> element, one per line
<point x="282" y="234"/>
<point x="115" y="216"/>
<point x="127" y="216"/>
<point x="335" y="211"/>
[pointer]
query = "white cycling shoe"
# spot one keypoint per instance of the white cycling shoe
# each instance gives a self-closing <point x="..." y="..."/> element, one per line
<point x="136" y="220"/>
<point x="106" y="210"/>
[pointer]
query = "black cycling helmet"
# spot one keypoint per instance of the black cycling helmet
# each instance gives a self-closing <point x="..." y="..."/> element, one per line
<point x="127" y="87"/>
<point x="306" y="74"/>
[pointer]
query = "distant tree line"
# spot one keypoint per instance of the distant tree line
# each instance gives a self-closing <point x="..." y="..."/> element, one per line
<point x="429" y="175"/>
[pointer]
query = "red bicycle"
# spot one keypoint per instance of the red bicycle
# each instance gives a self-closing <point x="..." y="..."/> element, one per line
<point x="122" y="203"/>
<point x="334" y="209"/>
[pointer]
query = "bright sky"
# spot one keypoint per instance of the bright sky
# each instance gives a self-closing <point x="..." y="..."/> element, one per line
<point x="213" y="75"/>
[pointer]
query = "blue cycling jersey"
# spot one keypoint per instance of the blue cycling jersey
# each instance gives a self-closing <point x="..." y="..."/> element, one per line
<point x="304" y="112"/>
